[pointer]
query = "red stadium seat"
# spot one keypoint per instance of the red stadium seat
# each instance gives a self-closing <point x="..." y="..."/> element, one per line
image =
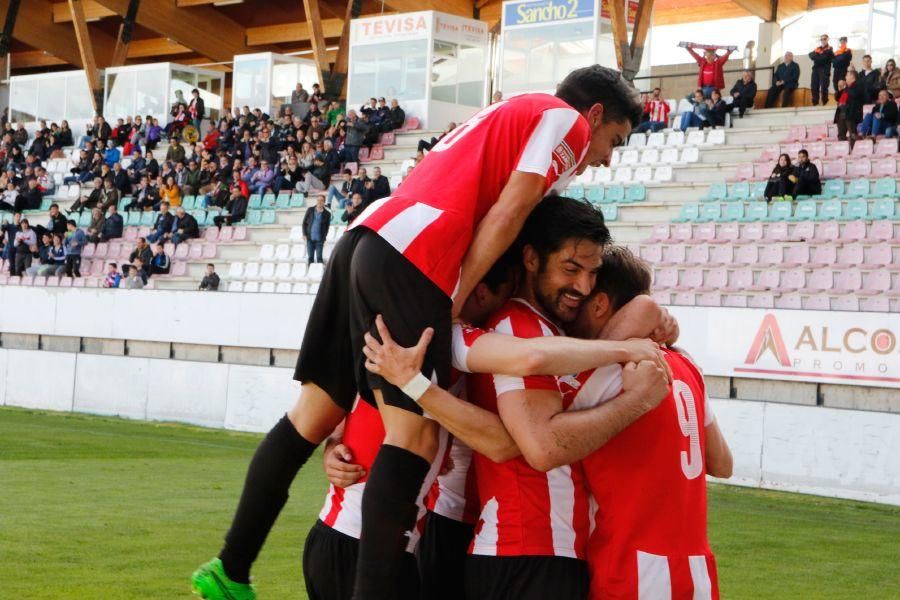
<point x="823" y="255"/>
<point x="764" y="300"/>
<point x="839" y="149"/>
<point x="884" y="167"/>
<point x="861" y="167"/>
<point x="886" y="147"/>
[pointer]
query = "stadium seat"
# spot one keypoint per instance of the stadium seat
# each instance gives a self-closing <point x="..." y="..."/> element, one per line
<point x="296" y="233"/>
<point x="717" y="192"/>
<point x="853" y="231"/>
<point x="660" y="233"/>
<point x="743" y="172"/>
<point x="663" y="174"/>
<point x="806" y="210"/>
<point x="668" y="156"/>
<point x="298" y="200"/>
<point x="695" y="137"/>
<point x="823" y="255"/>
<point x="885" y="187"/>
<point x="803" y="231"/>
<point x="720" y="255"/>
<point x="650" y="157"/>
<point x="283" y="201"/>
<point x="652" y="253"/>
<point x="884" y="167"/>
<point x="839" y="149"/>
<point x="833" y="169"/>
<point x="614" y="193"/>
<point x="738" y="191"/>
<point x="300" y="288"/>
<point x="675" y="255"/>
<point x="665" y="279"/>
<point x="268" y="201"/>
<point x="771" y="254"/>
<point x="266" y="252"/>
<point x="148" y="219"/>
<point x="886" y="147"/>
<point x="855" y="209"/>
<point x="756" y="211"/>
<point x="267" y="270"/>
<point x="594" y="194"/>
<point x="314" y="272"/>
<point x="298" y="253"/>
<point x="689" y="212"/>
<point x="187" y="203"/>
<point x="643" y="174"/>
<point x="635" y="193"/>
<point x="629" y="157"/>
<point x="656" y="139"/>
<point x="779" y="211"/>
<point x="675" y="139"/>
<point x="576" y="190"/>
<point x="875" y="282"/>
<point x="791" y="281"/>
<point x="283" y="287"/>
<point x="623" y="175"/>
<point x="860" y="167"/>
<point x="637" y="140"/>
<point x="610" y="212"/>
<point x="267" y="287"/>
<point x="709" y="212"/>
<point x="683" y="232"/>
<point x="858" y="188"/>
<point x="795" y="255"/>
<point x="863" y="147"/>
<point x="746" y="255"/>
<point x="298" y="271"/>
<point x="846" y="282"/>
<point x="883" y="231"/>
<point x="603" y="175"/>
<point x="796" y="133"/>
<point x="830" y="210"/>
<point x="734" y="211"/>
<point x="255" y="201"/>
<point x="833" y="188"/>
<point x="251" y="286"/>
<point x="777" y="231"/>
<point x="236" y="286"/>
<point x="254" y="217"/>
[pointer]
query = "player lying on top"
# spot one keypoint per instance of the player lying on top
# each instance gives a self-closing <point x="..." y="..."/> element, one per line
<point x="534" y="537"/>
<point x="414" y="258"/>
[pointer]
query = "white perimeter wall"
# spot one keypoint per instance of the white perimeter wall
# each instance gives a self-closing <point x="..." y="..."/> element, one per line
<point x="831" y="452"/>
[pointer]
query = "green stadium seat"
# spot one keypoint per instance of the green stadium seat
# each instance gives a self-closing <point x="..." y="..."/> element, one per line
<point x="755" y="211"/>
<point x="338" y="216"/>
<point x="594" y="194"/>
<point x="123" y="202"/>
<point x="84" y="219"/>
<point x="283" y="202"/>
<point x="858" y="188"/>
<point x="833" y="188"/>
<point x="885" y="188"/>
<point x="284" y="194"/>
<point x="734" y="211"/>
<point x="855" y="209"/>
<point x="576" y="190"/>
<point x="255" y="201"/>
<point x="689" y="212"/>
<point x="636" y="193"/>
<point x="711" y="211"/>
<point x="758" y="191"/>
<point x="830" y="210"/>
<point x="187" y="203"/>
<point x="268" y="201"/>
<point x="133" y="218"/>
<point x="210" y="218"/>
<point x="615" y="193"/>
<point x="739" y="191"/>
<point x="46" y="202"/>
<point x="610" y="212"/>
<point x="148" y="218"/>
<point x="200" y="215"/>
<point x="883" y="209"/>
<point x="805" y="211"/>
<point x="779" y="211"/>
<point x="254" y="217"/>
<point x="717" y="192"/>
<point x="268" y="217"/>
<point x="298" y="200"/>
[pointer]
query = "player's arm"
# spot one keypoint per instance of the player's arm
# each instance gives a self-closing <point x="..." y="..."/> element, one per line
<point x="338" y="461"/>
<point x="498" y="229"/>
<point x="719" y="462"/>
<point x="642" y="317"/>
<point x="549" y="436"/>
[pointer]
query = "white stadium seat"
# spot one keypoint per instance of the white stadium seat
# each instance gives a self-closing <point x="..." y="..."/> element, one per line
<point x="251" y="286"/>
<point x="315" y="271"/>
<point x="283" y="288"/>
<point x="690" y="154"/>
<point x="236" y="270"/>
<point x="297" y="233"/>
<point x="663" y="173"/>
<point x="623" y="175"/>
<point x="629" y="157"/>
<point x="643" y="174"/>
<point x="650" y="157"/>
<point x="669" y="156"/>
<point x="282" y="252"/>
<point x="251" y="270"/>
<point x="684" y="105"/>
<point x="299" y="288"/>
<point x="602" y="175"/>
<point x="267" y="252"/>
<point x="267" y="270"/>
<point x="656" y="139"/>
<point x="298" y="271"/>
<point x="298" y="253"/>
<point x="715" y="137"/>
<point x="637" y="140"/>
<point x="267" y="287"/>
<point x="236" y="286"/>
<point x="675" y="138"/>
<point x="283" y="271"/>
<point x="695" y="137"/>
<point x="615" y="158"/>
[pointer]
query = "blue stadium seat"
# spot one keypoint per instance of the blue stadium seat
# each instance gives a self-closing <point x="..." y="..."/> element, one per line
<point x="636" y="193"/>
<point x="610" y="212"/>
<point x="758" y="191"/>
<point x="594" y="194"/>
<point x="614" y="193"/>
<point x="690" y="211"/>
<point x="855" y="209"/>
<point x="734" y="211"/>
<point x="268" y="217"/>
<point x="576" y="190"/>
<point x="711" y="211"/>
<point x="755" y="211"/>
<point x="187" y="203"/>
<point x="858" y="188"/>
<point x="254" y="217"/>
<point x="268" y="201"/>
<point x="298" y="200"/>
<point x="779" y="211"/>
<point x="805" y="211"/>
<point x="884" y="209"/>
<point x="717" y="192"/>
<point x="833" y="188"/>
<point x="255" y="201"/>
<point x="885" y="188"/>
<point x="283" y="201"/>
<point x="739" y="191"/>
<point x="133" y="218"/>
<point x="830" y="210"/>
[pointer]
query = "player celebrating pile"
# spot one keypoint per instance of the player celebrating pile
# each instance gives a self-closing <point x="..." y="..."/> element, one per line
<point x="414" y="258"/>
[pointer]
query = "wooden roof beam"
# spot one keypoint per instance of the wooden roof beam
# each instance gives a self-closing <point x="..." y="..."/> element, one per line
<point x="86" y="50"/>
<point x="767" y="10"/>
<point x="291" y="32"/>
<point x="316" y="37"/>
<point x="92" y="11"/>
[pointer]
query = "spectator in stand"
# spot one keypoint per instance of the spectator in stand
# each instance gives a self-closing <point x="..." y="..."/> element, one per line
<point x="92" y="200"/>
<point x="711" y="75"/>
<point x="9" y="237"/>
<point x="56" y="267"/>
<point x="843" y="56"/>
<point x="299" y="94"/>
<point x="358" y="185"/>
<point x="316" y="222"/>
<point x="82" y="166"/>
<point x="210" y="281"/>
<point x="43" y="256"/>
<point x="73" y="247"/>
<point x="31" y="196"/>
<point x="821" y="58"/>
<point x="782" y="179"/>
<point x="890" y="78"/>
<point x="197" y="109"/>
<point x="849" y="113"/>
<point x="381" y="185"/>
<point x="24" y="244"/>
<point x="121" y="180"/>
<point x="141" y="251"/>
<point x="496" y="97"/>
<point x="357" y="128"/>
<point x="341" y="192"/>
<point x="869" y="78"/>
<point x="64" y="135"/>
<point x="97" y="222"/>
<point x="154" y="134"/>
<point x="113" y="226"/>
<point x="356" y="206"/>
<point x="162" y="229"/>
<point x="743" y="92"/>
<point x="428" y="145"/>
<point x="335" y="113"/>
<point x="808" y="182"/>
<point x="10" y="197"/>
<point x="20" y="137"/>
<point x="186" y="227"/>
<point x="39" y="146"/>
<point x="882" y="119"/>
<point x="109" y="195"/>
<point x="145" y="197"/>
<point x="160" y="264"/>
<point x="169" y="193"/>
<point x="262" y="179"/>
<point x="112" y="278"/>
<point x="786" y="80"/>
<point x="236" y="208"/>
<point x="111" y="156"/>
<point x="397" y="117"/>
<point x="657" y="110"/>
<point x="136" y="279"/>
<point x="175" y="153"/>
<point x="56" y="223"/>
<point x="698" y="115"/>
<point x="717" y="110"/>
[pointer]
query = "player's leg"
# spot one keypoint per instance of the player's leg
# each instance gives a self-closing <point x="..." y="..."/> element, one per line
<point x="389" y="285"/>
<point x="442" y="557"/>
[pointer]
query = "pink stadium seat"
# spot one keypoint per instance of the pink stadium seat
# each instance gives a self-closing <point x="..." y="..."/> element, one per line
<point x="363" y="154"/>
<point x="727" y="232"/>
<point x="704" y="233"/>
<point x="884" y="167"/>
<point x="837" y="149"/>
<point x="181" y="251"/>
<point x="739" y="280"/>
<point x="875" y="282"/>
<point x="823" y="255"/>
<point x="771" y="254"/>
<point x="131" y="234"/>
<point x="672" y="255"/>
<point x="660" y="233"/>
<point x="410" y="124"/>
<point x="211" y="234"/>
<point x="863" y="148"/>
<point x="795" y="255"/>
<point x="53" y="281"/>
<point x="209" y="251"/>
<point x="763" y="300"/>
<point x="143" y="231"/>
<point x="845" y="303"/>
<point x="850" y="255"/>
<point x="777" y="232"/>
<point x="796" y="133"/>
<point x="377" y="152"/>
<point x="827" y="232"/>
<point x="816" y="303"/>
<point x="791" y="149"/>
<point x="709" y="299"/>
<point x="14" y="280"/>
<point x="894" y="292"/>
<point x="652" y="253"/>
<point x="662" y="297"/>
<point x="240" y="233"/>
<point x="834" y="169"/>
<point x="767" y="280"/>
<point x="98" y="267"/>
<point x="832" y="131"/>
<point x="886" y="147"/>
<point x="665" y="279"/>
<point x="816" y="150"/>
<point x="683" y="232"/>
<point x="861" y="167"/>
<point x="803" y="231"/>
<point x="115" y="249"/>
<point x="27" y="280"/>
<point x="789" y="301"/>
<point x="179" y="268"/>
<point x="715" y="279"/>
<point x="761" y="171"/>
<point x="387" y="138"/>
<point x="225" y="234"/>
<point x="195" y="252"/>
<point x="817" y="132"/>
<point x="734" y="301"/>
<point x="78" y="282"/>
<point x="697" y="255"/>
<point x="90" y="249"/>
<point x="751" y="233"/>
<point x="875" y="304"/>
<point x="684" y="299"/>
<point x="352" y="166"/>
<point x="853" y="231"/>
<point x="125" y="252"/>
<point x="769" y="155"/>
<point x="690" y="280"/>
<point x="746" y="255"/>
<point x="744" y="172"/>
<point x="791" y="281"/>
<point x="880" y="255"/>
<point x="848" y="282"/>
<point x="721" y="255"/>
<point x="92" y="282"/>
<point x="881" y="231"/>
<point x="169" y="248"/>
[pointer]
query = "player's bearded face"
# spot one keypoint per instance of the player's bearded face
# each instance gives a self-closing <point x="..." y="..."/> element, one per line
<point x="566" y="278"/>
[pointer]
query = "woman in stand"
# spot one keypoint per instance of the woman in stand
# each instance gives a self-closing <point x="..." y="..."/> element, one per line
<point x="782" y="179"/>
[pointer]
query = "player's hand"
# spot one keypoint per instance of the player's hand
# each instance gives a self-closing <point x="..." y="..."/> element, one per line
<point x="667" y="330"/>
<point x="647" y="381"/>
<point x="638" y="349"/>
<point x="339" y="467"/>
<point x="394" y="363"/>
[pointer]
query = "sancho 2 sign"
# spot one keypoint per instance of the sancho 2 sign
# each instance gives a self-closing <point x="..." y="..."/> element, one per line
<point x="546" y="11"/>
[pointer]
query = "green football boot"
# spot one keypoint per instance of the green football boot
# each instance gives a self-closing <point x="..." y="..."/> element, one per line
<point x="211" y="583"/>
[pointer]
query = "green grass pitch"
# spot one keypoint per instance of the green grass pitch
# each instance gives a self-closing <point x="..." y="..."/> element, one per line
<point x="96" y="508"/>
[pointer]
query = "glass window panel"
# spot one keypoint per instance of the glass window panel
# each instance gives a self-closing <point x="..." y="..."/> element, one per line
<point x="120" y="95"/>
<point x="308" y="75"/>
<point x="150" y="94"/>
<point x="284" y="80"/>
<point x="471" y="76"/>
<point x="210" y="88"/>
<point x="78" y="98"/>
<point x="394" y="70"/>
<point x="249" y="81"/>
<point x="537" y="58"/>
<point x="51" y="98"/>
<point x="444" y="68"/>
<point x="23" y="101"/>
<point x="180" y="87"/>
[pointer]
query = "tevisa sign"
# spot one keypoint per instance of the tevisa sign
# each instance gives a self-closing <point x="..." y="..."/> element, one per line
<point x="545" y="11"/>
<point x="816" y="346"/>
<point x="390" y="28"/>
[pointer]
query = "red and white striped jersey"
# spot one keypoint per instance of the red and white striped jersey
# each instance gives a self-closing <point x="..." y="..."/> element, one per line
<point x="524" y="512"/>
<point x="658" y="109"/>
<point x="649" y="539"/>
<point x="432" y="217"/>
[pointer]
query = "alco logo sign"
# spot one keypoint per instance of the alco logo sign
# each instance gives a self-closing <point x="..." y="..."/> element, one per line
<point x="546" y="11"/>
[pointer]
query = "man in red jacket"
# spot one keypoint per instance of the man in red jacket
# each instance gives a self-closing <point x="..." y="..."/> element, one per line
<point x="711" y="76"/>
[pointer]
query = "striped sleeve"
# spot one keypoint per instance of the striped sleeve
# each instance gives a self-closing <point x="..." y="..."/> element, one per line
<point x="523" y="325"/>
<point x="556" y="146"/>
<point x="463" y="336"/>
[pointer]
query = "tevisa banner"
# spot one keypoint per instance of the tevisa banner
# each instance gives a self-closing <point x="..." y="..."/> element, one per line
<point x="794" y="345"/>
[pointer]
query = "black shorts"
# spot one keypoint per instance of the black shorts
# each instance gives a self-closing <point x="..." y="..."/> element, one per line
<point x="442" y="557"/>
<point x="526" y="578"/>
<point x="329" y="566"/>
<point x="366" y="277"/>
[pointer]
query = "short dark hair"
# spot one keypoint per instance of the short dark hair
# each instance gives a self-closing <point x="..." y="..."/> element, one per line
<point x="869" y="56"/>
<point x="803" y="152"/>
<point x="582" y="88"/>
<point x="54" y="205"/>
<point x="113" y="265"/>
<point x="622" y="277"/>
<point x="557" y="219"/>
<point x="506" y="267"/>
<point x="72" y="223"/>
<point x="211" y="265"/>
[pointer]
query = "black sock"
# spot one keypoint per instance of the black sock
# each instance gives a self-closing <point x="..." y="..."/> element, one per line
<point x="273" y="467"/>
<point x="389" y="511"/>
